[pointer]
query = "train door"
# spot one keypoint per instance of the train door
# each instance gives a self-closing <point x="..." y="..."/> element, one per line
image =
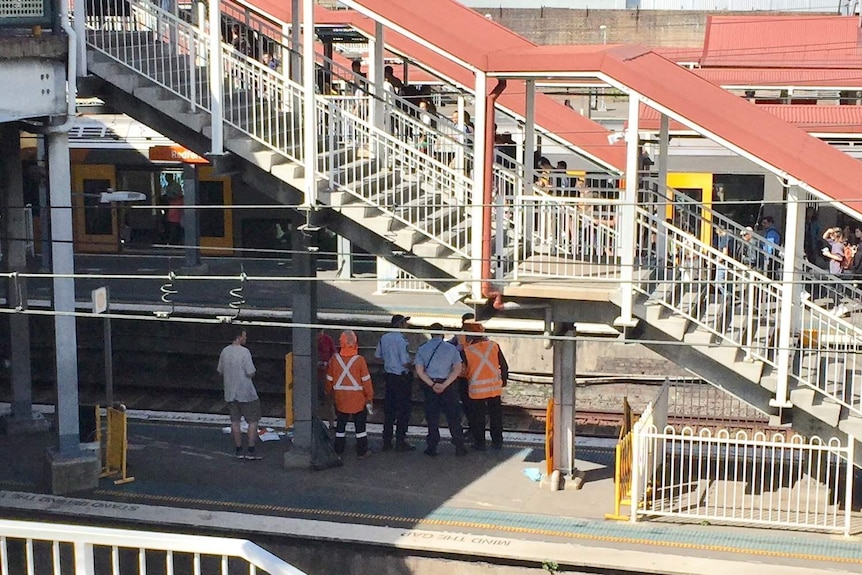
<point x="216" y="223"/>
<point x="95" y="226"/>
<point x="699" y="188"/>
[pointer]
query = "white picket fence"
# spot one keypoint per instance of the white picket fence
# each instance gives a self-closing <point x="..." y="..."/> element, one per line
<point x="750" y="478"/>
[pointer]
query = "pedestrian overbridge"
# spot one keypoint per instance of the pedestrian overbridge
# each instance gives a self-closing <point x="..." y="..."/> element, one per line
<point x="436" y="199"/>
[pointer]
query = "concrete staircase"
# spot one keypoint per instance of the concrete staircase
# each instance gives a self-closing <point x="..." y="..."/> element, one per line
<point x="369" y="201"/>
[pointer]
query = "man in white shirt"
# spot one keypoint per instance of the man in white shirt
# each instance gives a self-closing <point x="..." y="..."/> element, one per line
<point x="237" y="368"/>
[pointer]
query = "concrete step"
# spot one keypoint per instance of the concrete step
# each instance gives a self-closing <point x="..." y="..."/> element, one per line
<point x="674" y="326"/>
<point x="807" y="400"/>
<point x="852" y="425"/>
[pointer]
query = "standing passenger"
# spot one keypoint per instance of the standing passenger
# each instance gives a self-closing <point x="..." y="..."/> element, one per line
<point x="438" y="365"/>
<point x="487" y="372"/>
<point x="392" y="349"/>
<point x="348" y="381"/>
<point x="237" y="369"/>
<point x="460" y="342"/>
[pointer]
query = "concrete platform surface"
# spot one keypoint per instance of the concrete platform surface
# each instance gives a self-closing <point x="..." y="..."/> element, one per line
<point x="482" y="505"/>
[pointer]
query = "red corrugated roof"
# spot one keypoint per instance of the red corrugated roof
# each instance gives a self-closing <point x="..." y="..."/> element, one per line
<point x="819" y="119"/>
<point x="728" y="117"/>
<point x="743" y="77"/>
<point x="802" y="41"/>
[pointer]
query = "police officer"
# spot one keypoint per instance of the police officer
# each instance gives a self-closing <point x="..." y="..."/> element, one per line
<point x="392" y="349"/>
<point x="487" y="374"/>
<point x="438" y="365"/>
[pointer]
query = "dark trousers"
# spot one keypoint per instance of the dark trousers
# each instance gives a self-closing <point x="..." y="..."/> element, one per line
<point x="466" y="403"/>
<point x="341" y="437"/>
<point x="494" y="408"/>
<point x="447" y="403"/>
<point x="397" y="406"/>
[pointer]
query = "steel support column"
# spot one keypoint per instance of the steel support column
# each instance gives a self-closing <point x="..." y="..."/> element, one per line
<point x="564" y="406"/>
<point x="14" y="247"/>
<point x="375" y="77"/>
<point x="529" y="137"/>
<point x="661" y="207"/>
<point x="627" y="224"/>
<point x="66" y="343"/>
<point x="304" y="341"/>
<point x="309" y="109"/>
<point x="216" y="80"/>
<point x="191" y="217"/>
<point x="791" y="290"/>
<point x="294" y="70"/>
<point x="477" y="213"/>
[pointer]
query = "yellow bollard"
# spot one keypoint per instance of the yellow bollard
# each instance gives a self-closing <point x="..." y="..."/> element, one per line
<point x="288" y="390"/>
<point x="117" y="446"/>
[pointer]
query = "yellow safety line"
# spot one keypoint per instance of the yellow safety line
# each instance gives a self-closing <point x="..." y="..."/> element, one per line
<point x="489" y="527"/>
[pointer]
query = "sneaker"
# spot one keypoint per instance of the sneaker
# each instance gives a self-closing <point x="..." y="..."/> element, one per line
<point x="430" y="452"/>
<point x="404" y="446"/>
<point x="239" y="453"/>
<point x="252" y="454"/>
<point x="478" y="447"/>
<point x="460" y="451"/>
<point x="497" y="446"/>
<point x="365" y="455"/>
<point x="387" y="446"/>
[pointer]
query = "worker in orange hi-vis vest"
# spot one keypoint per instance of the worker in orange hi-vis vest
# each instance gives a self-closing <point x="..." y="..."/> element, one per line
<point x="348" y="381"/>
<point x="487" y="374"/>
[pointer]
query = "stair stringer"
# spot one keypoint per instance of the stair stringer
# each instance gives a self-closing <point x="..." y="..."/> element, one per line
<point x="701" y="361"/>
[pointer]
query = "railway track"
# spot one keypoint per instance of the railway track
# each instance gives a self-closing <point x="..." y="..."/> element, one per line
<point x="517" y="418"/>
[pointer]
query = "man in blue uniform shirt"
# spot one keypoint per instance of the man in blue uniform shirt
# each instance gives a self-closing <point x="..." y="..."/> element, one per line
<point x="392" y="349"/>
<point x="438" y="365"/>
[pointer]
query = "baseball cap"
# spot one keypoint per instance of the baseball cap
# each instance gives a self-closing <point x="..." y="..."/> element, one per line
<point x="468" y="316"/>
<point x="398" y="319"/>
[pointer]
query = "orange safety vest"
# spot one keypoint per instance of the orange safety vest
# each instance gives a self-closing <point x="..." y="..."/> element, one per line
<point x="483" y="370"/>
<point x="349" y="382"/>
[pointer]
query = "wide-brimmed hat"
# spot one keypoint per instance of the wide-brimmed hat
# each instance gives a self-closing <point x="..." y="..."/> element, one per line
<point x="475" y="327"/>
<point x="398" y="319"/>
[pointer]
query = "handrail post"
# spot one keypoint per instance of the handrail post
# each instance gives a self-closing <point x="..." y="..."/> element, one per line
<point x="628" y="213"/>
<point x="790" y="292"/>
<point x="84" y="560"/>
<point x="848" y="490"/>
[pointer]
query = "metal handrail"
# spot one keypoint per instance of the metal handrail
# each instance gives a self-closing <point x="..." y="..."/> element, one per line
<point x="86" y="539"/>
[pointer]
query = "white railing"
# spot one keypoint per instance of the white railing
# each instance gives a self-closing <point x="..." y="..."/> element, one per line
<point x="402" y="181"/>
<point x="405" y="282"/>
<point x="711" y="406"/>
<point x="756" y="480"/>
<point x="566" y="237"/>
<point x="829" y="356"/>
<point x="27" y="548"/>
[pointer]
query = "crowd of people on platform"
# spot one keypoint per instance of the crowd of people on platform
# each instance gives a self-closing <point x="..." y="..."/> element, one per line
<point x="460" y="377"/>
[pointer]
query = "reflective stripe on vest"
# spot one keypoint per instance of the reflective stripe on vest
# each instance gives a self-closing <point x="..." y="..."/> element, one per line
<point x="352" y="384"/>
<point x="485" y="376"/>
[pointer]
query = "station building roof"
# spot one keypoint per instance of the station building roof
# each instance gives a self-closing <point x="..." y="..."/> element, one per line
<point x="771" y="41"/>
<point x="811" y="118"/>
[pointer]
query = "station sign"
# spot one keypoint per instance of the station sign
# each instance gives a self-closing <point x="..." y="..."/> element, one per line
<point x="175" y="154"/>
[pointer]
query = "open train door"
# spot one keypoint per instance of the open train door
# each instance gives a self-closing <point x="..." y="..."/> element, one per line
<point x="697" y="186"/>
<point x="95" y="226"/>
<point x="216" y="223"/>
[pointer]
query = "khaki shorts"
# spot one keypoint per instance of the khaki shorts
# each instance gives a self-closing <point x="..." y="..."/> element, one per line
<point x="248" y="409"/>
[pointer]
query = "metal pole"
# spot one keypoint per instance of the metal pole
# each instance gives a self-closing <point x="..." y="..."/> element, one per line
<point x="109" y="353"/>
<point x="477" y="210"/>
<point x="661" y="207"/>
<point x="790" y="294"/>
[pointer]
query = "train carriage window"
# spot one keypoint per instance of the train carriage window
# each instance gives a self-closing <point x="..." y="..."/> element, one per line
<point x="739" y="197"/>
<point x="98" y="220"/>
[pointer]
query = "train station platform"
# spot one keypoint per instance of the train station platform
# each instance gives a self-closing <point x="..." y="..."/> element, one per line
<point x="479" y="508"/>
